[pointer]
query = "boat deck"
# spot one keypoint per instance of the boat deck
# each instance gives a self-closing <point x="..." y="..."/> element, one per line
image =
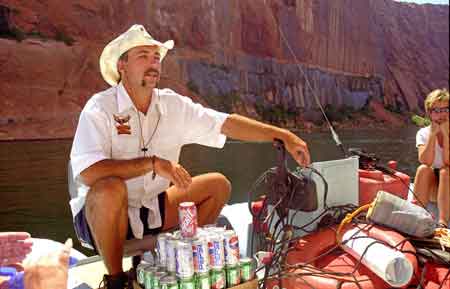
<point x="89" y="273"/>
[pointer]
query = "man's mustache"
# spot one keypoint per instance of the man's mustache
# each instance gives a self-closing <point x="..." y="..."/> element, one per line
<point x="152" y="70"/>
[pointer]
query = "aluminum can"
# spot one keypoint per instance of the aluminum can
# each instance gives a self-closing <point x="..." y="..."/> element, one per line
<point x="218" y="230"/>
<point x="247" y="269"/>
<point x="202" y="281"/>
<point x="200" y="255"/>
<point x="233" y="276"/>
<point x="187" y="283"/>
<point x="156" y="282"/>
<point x="231" y="247"/>
<point x="187" y="214"/>
<point x="169" y="282"/>
<point x="170" y="255"/>
<point x="149" y="257"/>
<point x="161" y="268"/>
<point x="149" y="274"/>
<point x="177" y="235"/>
<point x="200" y="231"/>
<point x="209" y="227"/>
<point x="184" y="259"/>
<point x="218" y="279"/>
<point x="140" y="272"/>
<point x="161" y="245"/>
<point x="216" y="251"/>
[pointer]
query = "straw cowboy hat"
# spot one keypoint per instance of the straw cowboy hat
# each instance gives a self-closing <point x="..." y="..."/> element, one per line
<point x="135" y="36"/>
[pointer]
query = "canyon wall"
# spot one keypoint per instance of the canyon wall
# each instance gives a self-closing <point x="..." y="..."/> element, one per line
<point x="266" y="59"/>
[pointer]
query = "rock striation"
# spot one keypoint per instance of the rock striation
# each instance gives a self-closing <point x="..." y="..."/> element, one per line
<point x="268" y="59"/>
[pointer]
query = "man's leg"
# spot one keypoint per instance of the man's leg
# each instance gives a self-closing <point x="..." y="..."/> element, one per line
<point x="424" y="184"/>
<point x="210" y="192"/>
<point x="106" y="213"/>
<point x="443" y="197"/>
<point x="135" y="247"/>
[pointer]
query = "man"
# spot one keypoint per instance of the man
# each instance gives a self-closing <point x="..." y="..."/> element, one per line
<point x="127" y="147"/>
<point x="432" y="176"/>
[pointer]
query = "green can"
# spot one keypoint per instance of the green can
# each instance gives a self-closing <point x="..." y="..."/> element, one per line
<point x="187" y="283"/>
<point x="218" y="279"/>
<point x="247" y="271"/>
<point x="140" y="272"/>
<point x="156" y="282"/>
<point x="149" y="273"/>
<point x="202" y="281"/>
<point x="169" y="282"/>
<point x="161" y="268"/>
<point x="233" y="276"/>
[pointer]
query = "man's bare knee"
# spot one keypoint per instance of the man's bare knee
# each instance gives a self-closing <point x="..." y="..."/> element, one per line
<point x="222" y="186"/>
<point x="444" y="174"/>
<point x="109" y="192"/>
<point x="424" y="170"/>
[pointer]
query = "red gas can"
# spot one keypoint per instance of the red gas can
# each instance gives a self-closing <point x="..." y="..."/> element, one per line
<point x="372" y="181"/>
<point x="436" y="276"/>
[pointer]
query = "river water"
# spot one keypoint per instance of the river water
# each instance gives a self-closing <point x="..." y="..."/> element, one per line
<point x="33" y="174"/>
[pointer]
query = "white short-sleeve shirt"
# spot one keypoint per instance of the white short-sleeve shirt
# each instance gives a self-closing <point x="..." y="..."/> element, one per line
<point x="422" y="138"/>
<point x="97" y="138"/>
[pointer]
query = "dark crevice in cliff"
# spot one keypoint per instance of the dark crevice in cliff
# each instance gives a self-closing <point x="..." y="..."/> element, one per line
<point x="4" y="20"/>
<point x="400" y="101"/>
<point x="7" y="28"/>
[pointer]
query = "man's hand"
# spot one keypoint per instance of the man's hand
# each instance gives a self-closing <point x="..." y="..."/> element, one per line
<point x="51" y="271"/>
<point x="14" y="247"/>
<point x="173" y="172"/>
<point x="435" y="128"/>
<point x="298" y="149"/>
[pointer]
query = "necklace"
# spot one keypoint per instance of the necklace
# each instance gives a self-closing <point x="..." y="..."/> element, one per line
<point x="144" y="145"/>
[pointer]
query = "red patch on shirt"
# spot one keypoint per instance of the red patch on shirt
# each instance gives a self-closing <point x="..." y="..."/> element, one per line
<point x="122" y="125"/>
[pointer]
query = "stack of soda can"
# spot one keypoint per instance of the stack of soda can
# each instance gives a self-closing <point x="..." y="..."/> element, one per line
<point x="196" y="258"/>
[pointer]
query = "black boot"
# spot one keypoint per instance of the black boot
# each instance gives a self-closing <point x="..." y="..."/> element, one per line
<point x="119" y="281"/>
<point x="135" y="261"/>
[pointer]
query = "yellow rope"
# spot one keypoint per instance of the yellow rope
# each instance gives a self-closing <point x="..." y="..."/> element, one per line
<point x="443" y="236"/>
<point x="348" y="220"/>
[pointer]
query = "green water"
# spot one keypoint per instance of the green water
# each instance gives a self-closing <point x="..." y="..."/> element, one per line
<point x="33" y="174"/>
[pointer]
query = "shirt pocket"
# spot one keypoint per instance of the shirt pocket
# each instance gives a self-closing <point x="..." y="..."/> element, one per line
<point x="125" y="146"/>
<point x="167" y="148"/>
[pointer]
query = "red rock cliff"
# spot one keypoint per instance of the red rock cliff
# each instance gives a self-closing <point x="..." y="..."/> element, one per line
<point x="230" y="53"/>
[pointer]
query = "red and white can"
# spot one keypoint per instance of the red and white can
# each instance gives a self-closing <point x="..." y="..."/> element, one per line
<point x="201" y="255"/>
<point x="216" y="251"/>
<point x="231" y="246"/>
<point x="187" y="214"/>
